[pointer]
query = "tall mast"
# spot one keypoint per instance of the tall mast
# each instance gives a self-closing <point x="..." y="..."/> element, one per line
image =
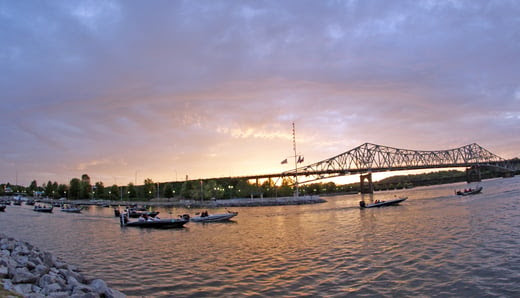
<point x="296" y="194"/>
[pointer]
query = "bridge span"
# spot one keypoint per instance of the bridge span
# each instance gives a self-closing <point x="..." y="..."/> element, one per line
<point x="371" y="158"/>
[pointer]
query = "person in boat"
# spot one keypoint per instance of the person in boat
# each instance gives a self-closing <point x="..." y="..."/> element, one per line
<point x="141" y="218"/>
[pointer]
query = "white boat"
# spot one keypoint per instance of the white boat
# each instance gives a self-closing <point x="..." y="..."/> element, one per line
<point x="205" y="217"/>
<point x="382" y="203"/>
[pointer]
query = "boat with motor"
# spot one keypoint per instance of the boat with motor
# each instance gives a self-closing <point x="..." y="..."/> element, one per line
<point x="378" y="203"/>
<point x="468" y="192"/>
<point x="40" y="208"/>
<point x="205" y="217"/>
<point x="154" y="222"/>
<point x="136" y="214"/>
<point x="70" y="209"/>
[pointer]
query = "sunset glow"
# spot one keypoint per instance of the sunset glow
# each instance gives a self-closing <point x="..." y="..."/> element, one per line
<point x="128" y="90"/>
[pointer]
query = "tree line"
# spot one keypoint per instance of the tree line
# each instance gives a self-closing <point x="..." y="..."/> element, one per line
<point x="224" y="188"/>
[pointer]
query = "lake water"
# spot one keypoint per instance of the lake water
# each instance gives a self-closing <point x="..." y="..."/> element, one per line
<point x="433" y="244"/>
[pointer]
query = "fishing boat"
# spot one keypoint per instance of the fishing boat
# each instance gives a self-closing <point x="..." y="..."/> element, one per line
<point x="39" y="208"/>
<point x="378" y="203"/>
<point x="135" y="214"/>
<point x="205" y="217"/>
<point x="154" y="222"/>
<point x="70" y="209"/>
<point x="470" y="191"/>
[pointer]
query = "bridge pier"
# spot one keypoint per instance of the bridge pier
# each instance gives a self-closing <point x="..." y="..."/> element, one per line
<point x="370" y="186"/>
<point x="473" y="174"/>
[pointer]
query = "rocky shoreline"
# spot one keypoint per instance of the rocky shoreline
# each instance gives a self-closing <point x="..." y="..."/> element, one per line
<point x="30" y="272"/>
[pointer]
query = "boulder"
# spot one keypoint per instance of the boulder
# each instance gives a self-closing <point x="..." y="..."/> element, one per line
<point x="82" y="289"/>
<point x="4" y="271"/>
<point x="52" y="288"/>
<point x="22" y="275"/>
<point x="85" y="295"/>
<point x="40" y="270"/>
<point x="8" y="284"/>
<point x="21" y="260"/>
<point x="102" y="289"/>
<point x="61" y="294"/>
<point x="23" y="289"/>
<point x="5" y="253"/>
<point x="48" y="259"/>
<point x="99" y="286"/>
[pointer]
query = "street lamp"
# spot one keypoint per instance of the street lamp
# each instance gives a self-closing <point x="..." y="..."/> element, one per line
<point x="230" y="190"/>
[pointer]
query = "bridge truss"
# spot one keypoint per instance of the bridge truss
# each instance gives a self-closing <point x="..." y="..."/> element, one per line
<point x="369" y="158"/>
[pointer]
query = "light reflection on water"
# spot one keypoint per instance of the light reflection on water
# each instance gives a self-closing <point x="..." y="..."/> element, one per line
<point x="433" y="244"/>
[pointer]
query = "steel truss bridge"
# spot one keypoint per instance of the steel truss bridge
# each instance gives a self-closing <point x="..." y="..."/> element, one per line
<point x="371" y="158"/>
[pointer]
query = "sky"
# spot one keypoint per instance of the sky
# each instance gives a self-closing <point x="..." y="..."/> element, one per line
<point x="128" y="90"/>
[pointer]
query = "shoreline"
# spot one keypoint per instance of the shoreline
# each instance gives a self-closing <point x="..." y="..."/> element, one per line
<point x="28" y="271"/>
<point x="236" y="202"/>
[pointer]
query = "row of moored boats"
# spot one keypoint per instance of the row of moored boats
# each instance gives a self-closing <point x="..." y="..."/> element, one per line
<point x="151" y="219"/>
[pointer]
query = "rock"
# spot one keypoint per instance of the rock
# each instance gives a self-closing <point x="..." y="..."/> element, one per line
<point x="66" y="273"/>
<point x="52" y="288"/>
<point x="4" y="271"/>
<point x="60" y="265"/>
<point x="36" y="289"/>
<point x="22" y="275"/>
<point x="23" y="289"/>
<point x="48" y="259"/>
<point x="114" y="294"/>
<point x="5" y="253"/>
<point x="41" y="270"/>
<point x="102" y="289"/>
<point x="32" y="273"/>
<point x="21" y="260"/>
<point x="99" y="286"/>
<point x="82" y="289"/>
<point x="85" y="295"/>
<point x="8" y="285"/>
<point x="72" y="282"/>
<point x="59" y="294"/>
<point x="34" y="295"/>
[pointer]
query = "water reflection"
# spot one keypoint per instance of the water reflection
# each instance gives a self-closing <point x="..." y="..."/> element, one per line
<point x="432" y="243"/>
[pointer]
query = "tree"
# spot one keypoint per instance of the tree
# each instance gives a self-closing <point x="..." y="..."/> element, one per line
<point x="51" y="189"/>
<point x="33" y="187"/>
<point x="114" y="192"/>
<point x="62" y="190"/>
<point x="75" y="189"/>
<point x="149" y="188"/>
<point x="168" y="191"/>
<point x="187" y="189"/>
<point x="132" y="192"/>
<point x="85" y="178"/>
<point x="100" y="190"/>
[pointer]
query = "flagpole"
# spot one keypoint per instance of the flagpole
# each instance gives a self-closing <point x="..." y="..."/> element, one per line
<point x="296" y="194"/>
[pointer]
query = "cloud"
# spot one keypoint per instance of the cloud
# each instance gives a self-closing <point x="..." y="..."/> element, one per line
<point x="209" y="88"/>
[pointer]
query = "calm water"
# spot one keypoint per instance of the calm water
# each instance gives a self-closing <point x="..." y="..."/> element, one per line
<point x="434" y="244"/>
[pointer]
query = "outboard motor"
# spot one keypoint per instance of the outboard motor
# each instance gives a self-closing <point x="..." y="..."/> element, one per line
<point x="362" y="204"/>
<point x="185" y="216"/>
<point x="123" y="219"/>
